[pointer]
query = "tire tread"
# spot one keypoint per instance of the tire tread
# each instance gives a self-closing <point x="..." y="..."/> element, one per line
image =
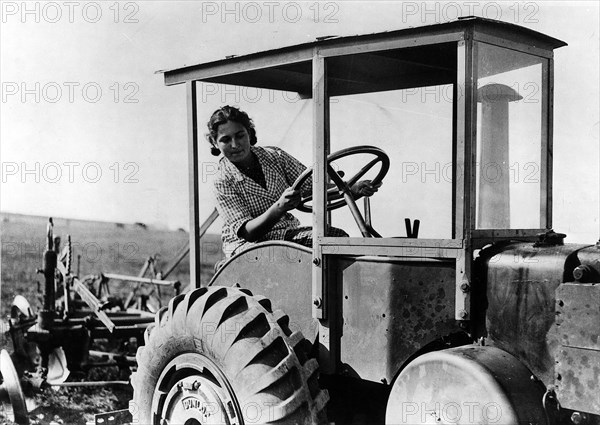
<point x="263" y="360"/>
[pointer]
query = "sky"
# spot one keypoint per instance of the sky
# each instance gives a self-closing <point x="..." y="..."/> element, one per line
<point x="88" y="129"/>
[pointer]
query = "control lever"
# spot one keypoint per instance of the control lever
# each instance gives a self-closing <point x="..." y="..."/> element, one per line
<point x="412" y="231"/>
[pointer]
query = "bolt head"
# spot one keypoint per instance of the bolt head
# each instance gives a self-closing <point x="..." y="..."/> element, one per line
<point x="580" y="272"/>
<point x="578" y="418"/>
<point x="317" y="302"/>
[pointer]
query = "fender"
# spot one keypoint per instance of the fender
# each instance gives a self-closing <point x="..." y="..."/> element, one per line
<point x="468" y="384"/>
<point x="281" y="271"/>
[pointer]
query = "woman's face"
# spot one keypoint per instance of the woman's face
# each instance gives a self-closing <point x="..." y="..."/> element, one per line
<point x="233" y="141"/>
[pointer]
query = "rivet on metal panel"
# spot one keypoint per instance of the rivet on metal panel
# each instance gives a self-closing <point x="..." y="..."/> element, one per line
<point x="464" y="287"/>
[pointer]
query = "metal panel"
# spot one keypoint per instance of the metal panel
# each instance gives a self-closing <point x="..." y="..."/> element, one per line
<point x="578" y="315"/>
<point x="390" y="311"/>
<point x="577" y="378"/>
<point x="281" y="272"/>
<point x="520" y="301"/>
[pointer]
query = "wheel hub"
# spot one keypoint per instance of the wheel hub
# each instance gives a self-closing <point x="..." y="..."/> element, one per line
<point x="196" y="393"/>
<point x="195" y="400"/>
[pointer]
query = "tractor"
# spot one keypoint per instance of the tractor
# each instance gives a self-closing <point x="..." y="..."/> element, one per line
<point x="479" y="314"/>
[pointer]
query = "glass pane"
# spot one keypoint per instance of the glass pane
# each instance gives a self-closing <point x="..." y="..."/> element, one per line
<point x="511" y="122"/>
<point x="414" y="127"/>
<point x="280" y="118"/>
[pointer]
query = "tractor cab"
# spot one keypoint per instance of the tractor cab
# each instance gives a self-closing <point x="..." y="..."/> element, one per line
<point x="460" y="112"/>
<point x="455" y="120"/>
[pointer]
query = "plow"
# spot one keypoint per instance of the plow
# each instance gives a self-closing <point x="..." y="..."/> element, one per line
<point x="81" y="325"/>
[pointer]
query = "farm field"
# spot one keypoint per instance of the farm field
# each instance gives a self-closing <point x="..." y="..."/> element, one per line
<point x="98" y="247"/>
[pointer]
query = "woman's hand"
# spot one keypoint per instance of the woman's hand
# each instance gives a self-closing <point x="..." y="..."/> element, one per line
<point x="364" y="188"/>
<point x="288" y="200"/>
<point x="256" y="228"/>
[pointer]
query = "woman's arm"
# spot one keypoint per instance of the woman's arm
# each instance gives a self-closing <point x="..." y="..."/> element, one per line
<point x="256" y="228"/>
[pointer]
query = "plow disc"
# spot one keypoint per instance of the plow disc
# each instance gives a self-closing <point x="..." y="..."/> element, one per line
<point x="10" y="391"/>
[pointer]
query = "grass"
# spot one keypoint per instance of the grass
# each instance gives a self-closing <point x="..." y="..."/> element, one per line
<point x="98" y="248"/>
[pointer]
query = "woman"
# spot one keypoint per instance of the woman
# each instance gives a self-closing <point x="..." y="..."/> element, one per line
<point x="252" y="187"/>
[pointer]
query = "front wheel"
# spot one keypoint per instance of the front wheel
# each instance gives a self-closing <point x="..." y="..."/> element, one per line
<point x="219" y="355"/>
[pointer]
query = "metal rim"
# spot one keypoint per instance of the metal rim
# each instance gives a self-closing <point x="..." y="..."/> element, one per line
<point x="192" y="390"/>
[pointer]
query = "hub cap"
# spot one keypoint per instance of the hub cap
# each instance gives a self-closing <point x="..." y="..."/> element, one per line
<point x="192" y="390"/>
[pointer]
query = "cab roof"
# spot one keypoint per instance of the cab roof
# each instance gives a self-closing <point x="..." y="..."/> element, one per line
<point x="365" y="63"/>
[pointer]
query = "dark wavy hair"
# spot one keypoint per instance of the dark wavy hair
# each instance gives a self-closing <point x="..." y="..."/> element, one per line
<point x="221" y="116"/>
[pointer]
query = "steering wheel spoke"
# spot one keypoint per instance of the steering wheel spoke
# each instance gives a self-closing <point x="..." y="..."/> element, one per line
<point x="355" y="178"/>
<point x="333" y="194"/>
<point x="341" y="194"/>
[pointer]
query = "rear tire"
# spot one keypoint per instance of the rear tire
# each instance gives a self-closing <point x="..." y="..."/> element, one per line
<point x="221" y="355"/>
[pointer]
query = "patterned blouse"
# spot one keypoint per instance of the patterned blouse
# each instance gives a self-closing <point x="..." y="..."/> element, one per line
<point x="240" y="198"/>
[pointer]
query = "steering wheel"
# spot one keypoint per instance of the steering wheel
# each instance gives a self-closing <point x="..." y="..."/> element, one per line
<point x="343" y="187"/>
